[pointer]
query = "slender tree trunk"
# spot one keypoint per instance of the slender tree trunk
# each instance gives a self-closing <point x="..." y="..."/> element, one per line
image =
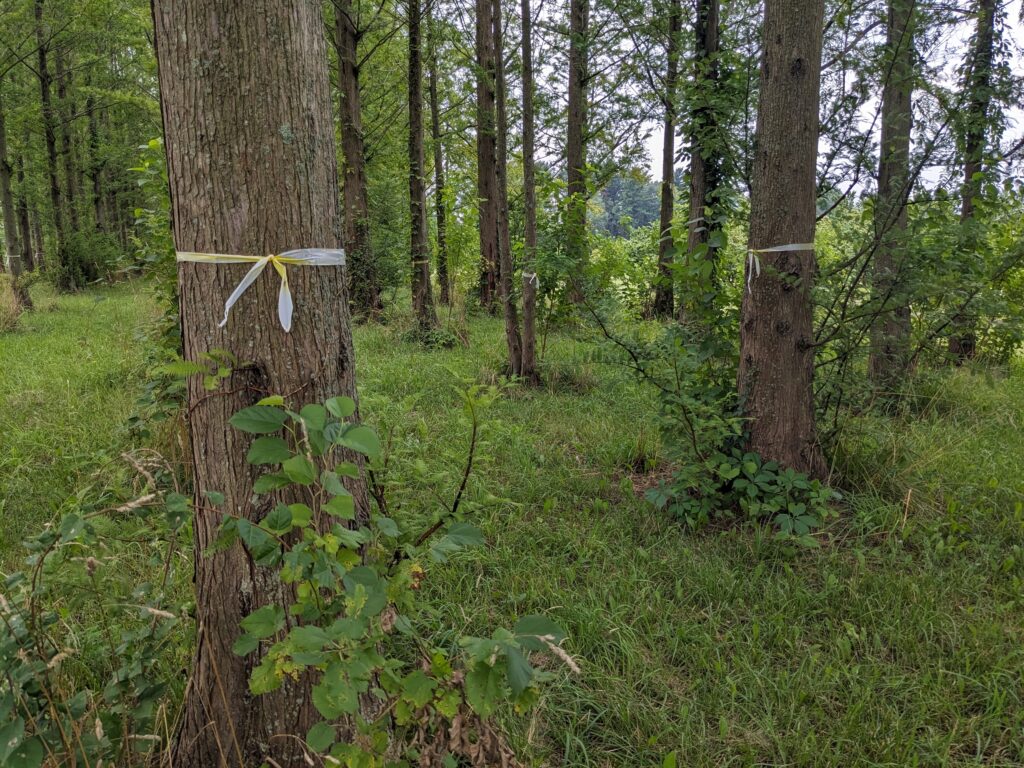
<point x="505" y="270"/>
<point x="252" y="169"/>
<point x="66" y="111"/>
<point x="439" y="182"/>
<point x="12" y="251"/>
<point x="890" y="332"/>
<point x="576" y="159"/>
<point x="488" y="200"/>
<point x="776" y="335"/>
<point x="705" y="148"/>
<point x="530" y="281"/>
<point x="37" y="238"/>
<point x="663" y="293"/>
<point x="95" y="165"/>
<point x="365" y="281"/>
<point x="422" y="296"/>
<point x="67" y="276"/>
<point x="24" y="227"/>
<point x="963" y="340"/>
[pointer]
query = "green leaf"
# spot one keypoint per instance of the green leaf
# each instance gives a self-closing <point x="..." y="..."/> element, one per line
<point x="347" y="469"/>
<point x="314" y="415"/>
<point x="29" y="754"/>
<point x="270" y="482"/>
<point x="331" y="483"/>
<point x="264" y="678"/>
<point x="529" y="630"/>
<point x="518" y="670"/>
<point x="268" y="450"/>
<point x="418" y="688"/>
<point x="360" y="439"/>
<point x="259" y="419"/>
<point x="299" y="469"/>
<point x="71" y="527"/>
<point x="245" y="644"/>
<point x="670" y="761"/>
<point x="335" y="695"/>
<point x="343" y="506"/>
<point x="279" y="520"/>
<point x="271" y="400"/>
<point x="264" y="621"/>
<point x="483" y="688"/>
<point x="214" y="497"/>
<point x="341" y="407"/>
<point x="465" y="535"/>
<point x="320" y="737"/>
<point x="301" y="515"/>
<point x="11" y="735"/>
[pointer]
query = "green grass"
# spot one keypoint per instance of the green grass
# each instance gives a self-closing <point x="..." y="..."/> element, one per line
<point x="70" y="374"/>
<point x="899" y="642"/>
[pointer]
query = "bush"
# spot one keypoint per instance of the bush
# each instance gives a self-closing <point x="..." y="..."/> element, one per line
<point x="9" y="306"/>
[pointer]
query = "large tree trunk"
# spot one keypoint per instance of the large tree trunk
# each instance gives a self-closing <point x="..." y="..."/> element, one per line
<point x="530" y="280"/>
<point x="67" y="276"/>
<point x="38" y="244"/>
<point x="422" y="295"/>
<point x="576" y="159"/>
<point x="439" y="183"/>
<point x="890" y="332"/>
<point x="776" y="335"/>
<point x="663" y="293"/>
<point x="963" y="340"/>
<point x="513" y="340"/>
<point x="12" y="252"/>
<point x="362" y="268"/>
<point x="252" y="169"/>
<point x="95" y="165"/>
<point x="705" y="149"/>
<point x="487" y="152"/>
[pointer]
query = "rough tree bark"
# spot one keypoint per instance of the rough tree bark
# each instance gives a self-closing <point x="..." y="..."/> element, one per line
<point x="38" y="245"/>
<point x="252" y="169"/>
<point x="12" y="251"/>
<point x="95" y="165"/>
<point x="890" y="332"/>
<point x="776" y="335"/>
<point x="439" y="182"/>
<point x="575" y="143"/>
<point x="24" y="225"/>
<point x="963" y="340"/>
<point x="66" y="277"/>
<point x="705" y="152"/>
<point x="362" y="268"/>
<point x="530" y="281"/>
<point x="664" y="301"/>
<point x="422" y="295"/>
<point x="487" y="153"/>
<point x="66" y="112"/>
<point x="513" y="340"/>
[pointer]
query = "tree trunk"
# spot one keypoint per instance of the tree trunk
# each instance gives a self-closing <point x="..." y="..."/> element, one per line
<point x="776" y="335"/>
<point x="252" y="170"/>
<point x="530" y="281"/>
<point x="422" y="296"/>
<point x="365" y="282"/>
<point x="663" y="293"/>
<point x="705" y="149"/>
<point x="576" y="160"/>
<point x="488" y="201"/>
<point x="12" y="253"/>
<point x="505" y="270"/>
<point x="24" y="227"/>
<point x="963" y="340"/>
<point x="39" y="245"/>
<point x="439" y="182"/>
<point x="890" y="331"/>
<point x="66" y="110"/>
<point x="95" y="165"/>
<point x="67" y="276"/>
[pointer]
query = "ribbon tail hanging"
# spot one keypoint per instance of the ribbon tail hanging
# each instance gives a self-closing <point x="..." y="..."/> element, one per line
<point x="249" y="279"/>
<point x="285" y="306"/>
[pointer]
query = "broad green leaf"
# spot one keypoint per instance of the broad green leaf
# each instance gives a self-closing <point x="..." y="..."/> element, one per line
<point x="343" y="506"/>
<point x="299" y="469"/>
<point x="11" y="735"/>
<point x="279" y="520"/>
<point x="259" y="419"/>
<point x="271" y="481"/>
<point x="341" y="407"/>
<point x="264" y="678"/>
<point x="320" y="737"/>
<point x="271" y="400"/>
<point x="314" y="415"/>
<point x="483" y="688"/>
<point x="301" y="515"/>
<point x="518" y="670"/>
<point x="268" y="450"/>
<point x="529" y="630"/>
<point x="361" y="439"/>
<point x="264" y="621"/>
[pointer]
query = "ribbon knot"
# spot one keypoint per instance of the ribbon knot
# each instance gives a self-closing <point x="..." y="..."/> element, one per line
<point x="310" y="257"/>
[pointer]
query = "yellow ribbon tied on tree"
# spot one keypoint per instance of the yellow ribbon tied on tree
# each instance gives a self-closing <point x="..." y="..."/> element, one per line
<point x="305" y="257"/>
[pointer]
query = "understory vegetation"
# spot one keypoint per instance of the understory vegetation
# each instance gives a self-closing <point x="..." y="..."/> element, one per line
<point x="895" y="641"/>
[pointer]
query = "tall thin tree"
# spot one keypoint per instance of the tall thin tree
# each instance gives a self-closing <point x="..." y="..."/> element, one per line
<point x="487" y="152"/>
<point x="530" y="280"/>
<point x="252" y="170"/>
<point x="776" y="369"/>
<point x="890" y="331"/>
<point x="437" y="144"/>
<point x="67" y="276"/>
<point x="422" y="294"/>
<point x="663" y="293"/>
<point x="575" y="144"/>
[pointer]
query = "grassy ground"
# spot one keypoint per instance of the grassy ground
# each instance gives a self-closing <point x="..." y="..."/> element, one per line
<point x="70" y="374"/>
<point x="899" y="642"/>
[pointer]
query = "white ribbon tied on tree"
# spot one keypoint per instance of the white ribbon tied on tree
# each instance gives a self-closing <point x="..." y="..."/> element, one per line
<point x="754" y="263"/>
<point x="308" y="257"/>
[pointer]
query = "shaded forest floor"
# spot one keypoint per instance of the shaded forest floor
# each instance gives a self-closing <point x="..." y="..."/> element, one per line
<point x="900" y="641"/>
